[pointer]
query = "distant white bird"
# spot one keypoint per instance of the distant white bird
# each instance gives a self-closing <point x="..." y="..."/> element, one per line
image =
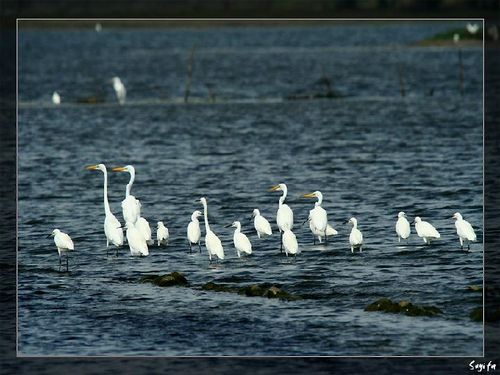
<point x="284" y="215"/>
<point x="98" y="27"/>
<point x="356" y="237"/>
<point x="290" y="242"/>
<point x="193" y="230"/>
<point x="136" y="242"/>
<point x="120" y="91"/>
<point x="162" y="234"/>
<point x="472" y="28"/>
<point x="131" y="206"/>
<point x="465" y="231"/>
<point x="56" y="98"/>
<point x="261" y="224"/>
<point x="241" y="241"/>
<point x="425" y="230"/>
<point x="142" y="225"/>
<point x="318" y="219"/>
<point x="112" y="227"/>
<point x="330" y="231"/>
<point x="402" y="227"/>
<point x="212" y="242"/>
<point x="456" y="38"/>
<point x="64" y="245"/>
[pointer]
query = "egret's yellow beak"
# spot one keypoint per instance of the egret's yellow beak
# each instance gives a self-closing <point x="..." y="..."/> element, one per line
<point x="119" y="169"/>
<point x="274" y="188"/>
<point x="309" y="195"/>
<point x="91" y="167"/>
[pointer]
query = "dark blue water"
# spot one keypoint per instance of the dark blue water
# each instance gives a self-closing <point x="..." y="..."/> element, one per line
<point x="372" y="153"/>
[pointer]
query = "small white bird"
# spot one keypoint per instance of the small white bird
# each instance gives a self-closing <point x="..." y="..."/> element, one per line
<point x="212" y="242"/>
<point x="456" y="38"/>
<point x="261" y="224"/>
<point x="136" y="242"/>
<point x="465" y="231"/>
<point x="425" y="230"/>
<point x="356" y="237"/>
<point x="402" y="227"/>
<point x="120" y="91"/>
<point x="64" y="245"/>
<point x="162" y="234"/>
<point x="284" y="215"/>
<point x="472" y="28"/>
<point x="56" y="98"/>
<point x="318" y="219"/>
<point x="241" y="241"/>
<point x="98" y="27"/>
<point x="142" y="225"/>
<point x="290" y="242"/>
<point x="194" y="231"/>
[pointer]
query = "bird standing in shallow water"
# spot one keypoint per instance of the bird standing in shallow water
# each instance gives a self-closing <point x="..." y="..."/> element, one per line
<point x="356" y="237"/>
<point x="212" y="242"/>
<point x="261" y="224"/>
<point x="194" y="231"/>
<point x="318" y="220"/>
<point x="290" y="242"/>
<point x="284" y="215"/>
<point x="425" y="230"/>
<point x="120" y="91"/>
<point x="162" y="234"/>
<point x="64" y="245"/>
<point x="465" y="231"/>
<point x="136" y="242"/>
<point x="56" y="98"/>
<point x="402" y="227"/>
<point x="241" y="241"/>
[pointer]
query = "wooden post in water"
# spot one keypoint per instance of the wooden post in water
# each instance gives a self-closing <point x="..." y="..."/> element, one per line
<point x="461" y="72"/>
<point x="189" y="74"/>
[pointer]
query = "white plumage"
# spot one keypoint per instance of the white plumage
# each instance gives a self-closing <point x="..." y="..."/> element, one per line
<point x="212" y="242"/>
<point x="356" y="237"/>
<point x="131" y="207"/>
<point x="120" y="91"/>
<point x="402" y="227"/>
<point x="142" y="225"/>
<point x="261" y="224"/>
<point x="425" y="230"/>
<point x="290" y="243"/>
<point x="64" y="244"/>
<point x="284" y="215"/>
<point x="162" y="234"/>
<point x="136" y="242"/>
<point x="472" y="28"/>
<point x="465" y="231"/>
<point x="330" y="231"/>
<point x="56" y="98"/>
<point x="194" y="231"/>
<point x="318" y="218"/>
<point x="241" y="241"/>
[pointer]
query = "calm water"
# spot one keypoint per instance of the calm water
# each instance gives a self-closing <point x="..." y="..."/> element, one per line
<point x="371" y="153"/>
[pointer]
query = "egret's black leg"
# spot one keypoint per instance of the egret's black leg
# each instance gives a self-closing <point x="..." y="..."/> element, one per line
<point x="326" y="238"/>
<point x="116" y="252"/>
<point x="60" y="263"/>
<point x="67" y="265"/>
<point x="190" y="247"/>
<point x="199" y="246"/>
<point x="281" y="242"/>
<point x="314" y="239"/>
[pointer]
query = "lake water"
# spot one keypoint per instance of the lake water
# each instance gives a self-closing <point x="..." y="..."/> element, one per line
<point x="371" y="152"/>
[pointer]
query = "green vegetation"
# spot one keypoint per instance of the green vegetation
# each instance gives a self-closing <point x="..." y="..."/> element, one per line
<point x="402" y="307"/>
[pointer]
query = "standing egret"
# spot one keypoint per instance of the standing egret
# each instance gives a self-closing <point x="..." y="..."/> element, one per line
<point x="472" y="28"/>
<point x="212" y="242"/>
<point x="98" y="27"/>
<point x="131" y="206"/>
<point x="402" y="227"/>
<point x="136" y="242"/>
<point x="284" y="215"/>
<point x="330" y="231"/>
<point x="318" y="218"/>
<point x="193" y="231"/>
<point x="465" y="231"/>
<point x="120" y="91"/>
<point x="261" y="224"/>
<point x="64" y="245"/>
<point x="162" y="234"/>
<point x="356" y="237"/>
<point x="290" y="242"/>
<point x="112" y="227"/>
<point x="56" y="98"/>
<point x="241" y="241"/>
<point x="426" y="230"/>
<point x="142" y="225"/>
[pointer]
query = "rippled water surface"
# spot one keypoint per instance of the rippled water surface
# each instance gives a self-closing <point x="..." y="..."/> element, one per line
<point x="372" y="153"/>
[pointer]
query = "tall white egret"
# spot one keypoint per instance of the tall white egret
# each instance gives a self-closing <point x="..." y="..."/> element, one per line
<point x="472" y="28"/>
<point x="330" y="231"/>
<point x="193" y="230"/>
<point x="261" y="224"/>
<point x="64" y="245"/>
<point x="465" y="231"/>
<point x="241" y="241"/>
<point x="162" y="234"/>
<point x="318" y="220"/>
<point x="212" y="242"/>
<point x="284" y="215"/>
<point x="56" y="98"/>
<point x="120" y="91"/>
<point x="131" y="206"/>
<point x="290" y="242"/>
<point x="402" y="227"/>
<point x="112" y="227"/>
<point x="136" y="242"/>
<point x="356" y="237"/>
<point x="425" y="230"/>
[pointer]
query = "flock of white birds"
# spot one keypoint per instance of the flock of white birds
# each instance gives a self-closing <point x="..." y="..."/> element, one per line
<point x="138" y="230"/>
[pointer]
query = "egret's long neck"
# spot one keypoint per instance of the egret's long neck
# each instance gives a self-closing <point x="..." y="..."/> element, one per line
<point x="238" y="228"/>
<point x="319" y="201"/>
<point x="106" y="203"/>
<point x="283" y="197"/>
<point x="130" y="183"/>
<point x="205" y="213"/>
<point x="355" y="225"/>
<point x="194" y="218"/>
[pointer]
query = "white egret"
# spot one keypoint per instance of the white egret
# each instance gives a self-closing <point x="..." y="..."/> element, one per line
<point x="402" y="227"/>
<point x="330" y="231"/>
<point x="425" y="230"/>
<point x="98" y="27"/>
<point x="56" y="98"/>
<point x="120" y="91"/>
<point x="318" y="220"/>
<point x="290" y="242"/>
<point x="356" y="237"/>
<point x="162" y="234"/>
<point x="284" y="215"/>
<point x="456" y="38"/>
<point x="241" y="241"/>
<point x="261" y="224"/>
<point x="193" y="230"/>
<point x="136" y="242"/>
<point x="465" y="231"/>
<point x="64" y="245"/>
<point x="112" y="227"/>
<point x="131" y="206"/>
<point x="142" y="225"/>
<point x="212" y="242"/>
<point x="472" y="28"/>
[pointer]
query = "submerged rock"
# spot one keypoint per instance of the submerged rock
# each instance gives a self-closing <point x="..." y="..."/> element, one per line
<point x="402" y="307"/>
<point x="253" y="290"/>
<point x="475" y="288"/>
<point x="476" y="315"/>
<point x="171" y="279"/>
